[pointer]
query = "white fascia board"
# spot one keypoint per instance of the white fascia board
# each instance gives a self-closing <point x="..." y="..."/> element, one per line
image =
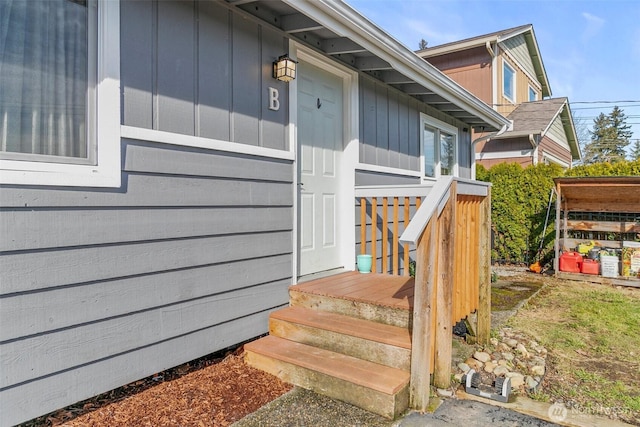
<point x="512" y="34"/>
<point x="347" y="22"/>
<point x="448" y="48"/>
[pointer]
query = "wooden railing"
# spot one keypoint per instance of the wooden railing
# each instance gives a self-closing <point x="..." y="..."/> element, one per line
<point x="451" y="232"/>
<point x="384" y="213"/>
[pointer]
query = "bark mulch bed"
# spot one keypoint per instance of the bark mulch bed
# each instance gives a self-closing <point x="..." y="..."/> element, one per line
<point x="216" y="390"/>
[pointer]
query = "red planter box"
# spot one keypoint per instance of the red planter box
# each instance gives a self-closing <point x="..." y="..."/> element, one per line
<point x="570" y="262"/>
<point x="590" y="266"/>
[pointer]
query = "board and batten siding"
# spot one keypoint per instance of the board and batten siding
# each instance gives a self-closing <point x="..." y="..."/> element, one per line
<point x="390" y="129"/>
<point x="196" y="68"/>
<point x="103" y="287"/>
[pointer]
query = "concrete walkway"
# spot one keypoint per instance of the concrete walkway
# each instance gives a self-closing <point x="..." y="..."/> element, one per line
<point x="301" y="407"/>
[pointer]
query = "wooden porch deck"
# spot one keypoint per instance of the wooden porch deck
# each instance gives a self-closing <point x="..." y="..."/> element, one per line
<point x="382" y="290"/>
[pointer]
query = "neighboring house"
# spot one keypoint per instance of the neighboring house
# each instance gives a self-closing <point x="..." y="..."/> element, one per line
<point x="543" y="132"/>
<point x="160" y="189"/>
<point x="506" y="71"/>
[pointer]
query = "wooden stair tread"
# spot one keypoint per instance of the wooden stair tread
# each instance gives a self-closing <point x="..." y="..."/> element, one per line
<point x="361" y="372"/>
<point x="372" y="331"/>
<point x="376" y="289"/>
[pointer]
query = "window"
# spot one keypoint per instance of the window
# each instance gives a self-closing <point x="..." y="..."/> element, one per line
<point x="508" y="82"/>
<point x="56" y="108"/>
<point x="533" y="95"/>
<point x="439" y="148"/>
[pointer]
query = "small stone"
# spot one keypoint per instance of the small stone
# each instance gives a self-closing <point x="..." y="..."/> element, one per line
<point x="482" y="356"/>
<point x="503" y="347"/>
<point x="474" y="364"/>
<point x="444" y="392"/>
<point x="464" y="367"/>
<point x="517" y="379"/>
<point x="489" y="366"/>
<point x="500" y="371"/>
<point x="530" y="383"/>
<point x="502" y="362"/>
<point x="458" y="377"/>
<point x="521" y="349"/>
<point x="511" y="343"/>
<point x="493" y="341"/>
<point x="508" y="356"/>
<point x="537" y="370"/>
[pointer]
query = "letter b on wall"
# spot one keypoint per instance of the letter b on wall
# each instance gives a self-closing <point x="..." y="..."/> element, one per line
<point x="274" y="102"/>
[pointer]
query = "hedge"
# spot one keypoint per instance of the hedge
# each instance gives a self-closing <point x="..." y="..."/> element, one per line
<point x="519" y="198"/>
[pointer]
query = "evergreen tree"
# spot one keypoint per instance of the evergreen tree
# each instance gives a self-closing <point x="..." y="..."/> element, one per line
<point x="609" y="137"/>
<point x="422" y="44"/>
<point x="635" y="151"/>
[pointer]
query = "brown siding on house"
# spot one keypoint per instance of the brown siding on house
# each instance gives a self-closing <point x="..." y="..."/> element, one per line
<point x="547" y="145"/>
<point x="471" y="69"/>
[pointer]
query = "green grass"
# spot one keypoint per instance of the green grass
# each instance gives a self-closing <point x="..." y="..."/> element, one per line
<point x="592" y="334"/>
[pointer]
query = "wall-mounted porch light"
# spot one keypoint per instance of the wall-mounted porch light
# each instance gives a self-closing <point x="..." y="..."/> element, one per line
<point x="284" y="69"/>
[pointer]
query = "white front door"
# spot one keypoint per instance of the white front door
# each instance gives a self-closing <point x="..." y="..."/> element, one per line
<point x="320" y="146"/>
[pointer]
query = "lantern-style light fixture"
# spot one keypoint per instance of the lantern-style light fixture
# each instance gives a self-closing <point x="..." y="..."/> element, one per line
<point x="284" y="69"/>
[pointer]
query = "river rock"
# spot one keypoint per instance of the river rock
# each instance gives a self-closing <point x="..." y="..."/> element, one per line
<point x="482" y="356"/>
<point x="537" y="370"/>
<point x="464" y="367"/>
<point x="474" y="364"/>
<point x="511" y="343"/>
<point x="520" y="348"/>
<point x="517" y="379"/>
<point x="530" y="382"/>
<point x="500" y="371"/>
<point x="508" y="356"/>
<point x="489" y="366"/>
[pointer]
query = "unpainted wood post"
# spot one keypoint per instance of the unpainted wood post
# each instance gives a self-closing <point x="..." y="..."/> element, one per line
<point x="444" y="292"/>
<point x="420" y="387"/>
<point x="484" y="262"/>
<point x="374" y="234"/>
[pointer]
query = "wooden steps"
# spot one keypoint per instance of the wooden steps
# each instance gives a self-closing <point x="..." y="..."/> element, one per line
<point x="375" y="342"/>
<point x="345" y="337"/>
<point x="373" y="387"/>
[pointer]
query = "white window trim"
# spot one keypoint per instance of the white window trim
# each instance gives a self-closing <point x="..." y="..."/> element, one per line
<point x="440" y="126"/>
<point x="106" y="173"/>
<point x="531" y="88"/>
<point x="506" y="64"/>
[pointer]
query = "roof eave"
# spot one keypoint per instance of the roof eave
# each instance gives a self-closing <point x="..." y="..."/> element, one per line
<point x="346" y="21"/>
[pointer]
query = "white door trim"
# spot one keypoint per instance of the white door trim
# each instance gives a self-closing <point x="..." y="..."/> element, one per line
<point x="350" y="153"/>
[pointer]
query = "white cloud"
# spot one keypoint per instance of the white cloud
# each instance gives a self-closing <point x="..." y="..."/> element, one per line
<point x="593" y="27"/>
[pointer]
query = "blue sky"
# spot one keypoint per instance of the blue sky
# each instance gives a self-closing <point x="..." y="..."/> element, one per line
<point x="590" y="49"/>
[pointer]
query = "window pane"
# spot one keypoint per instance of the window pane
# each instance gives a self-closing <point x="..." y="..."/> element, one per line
<point x="447" y="153"/>
<point x="509" y="81"/>
<point x="532" y="95"/>
<point x="43" y="77"/>
<point x="429" y="151"/>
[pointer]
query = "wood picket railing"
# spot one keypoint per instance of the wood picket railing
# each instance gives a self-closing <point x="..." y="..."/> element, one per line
<point x="451" y="232"/>
<point x="384" y="213"/>
<point x="446" y="230"/>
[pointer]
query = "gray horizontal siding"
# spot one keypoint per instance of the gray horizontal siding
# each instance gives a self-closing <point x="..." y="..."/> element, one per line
<point x="186" y="258"/>
<point x="195" y="68"/>
<point x="378" y="178"/>
<point x="52" y="392"/>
